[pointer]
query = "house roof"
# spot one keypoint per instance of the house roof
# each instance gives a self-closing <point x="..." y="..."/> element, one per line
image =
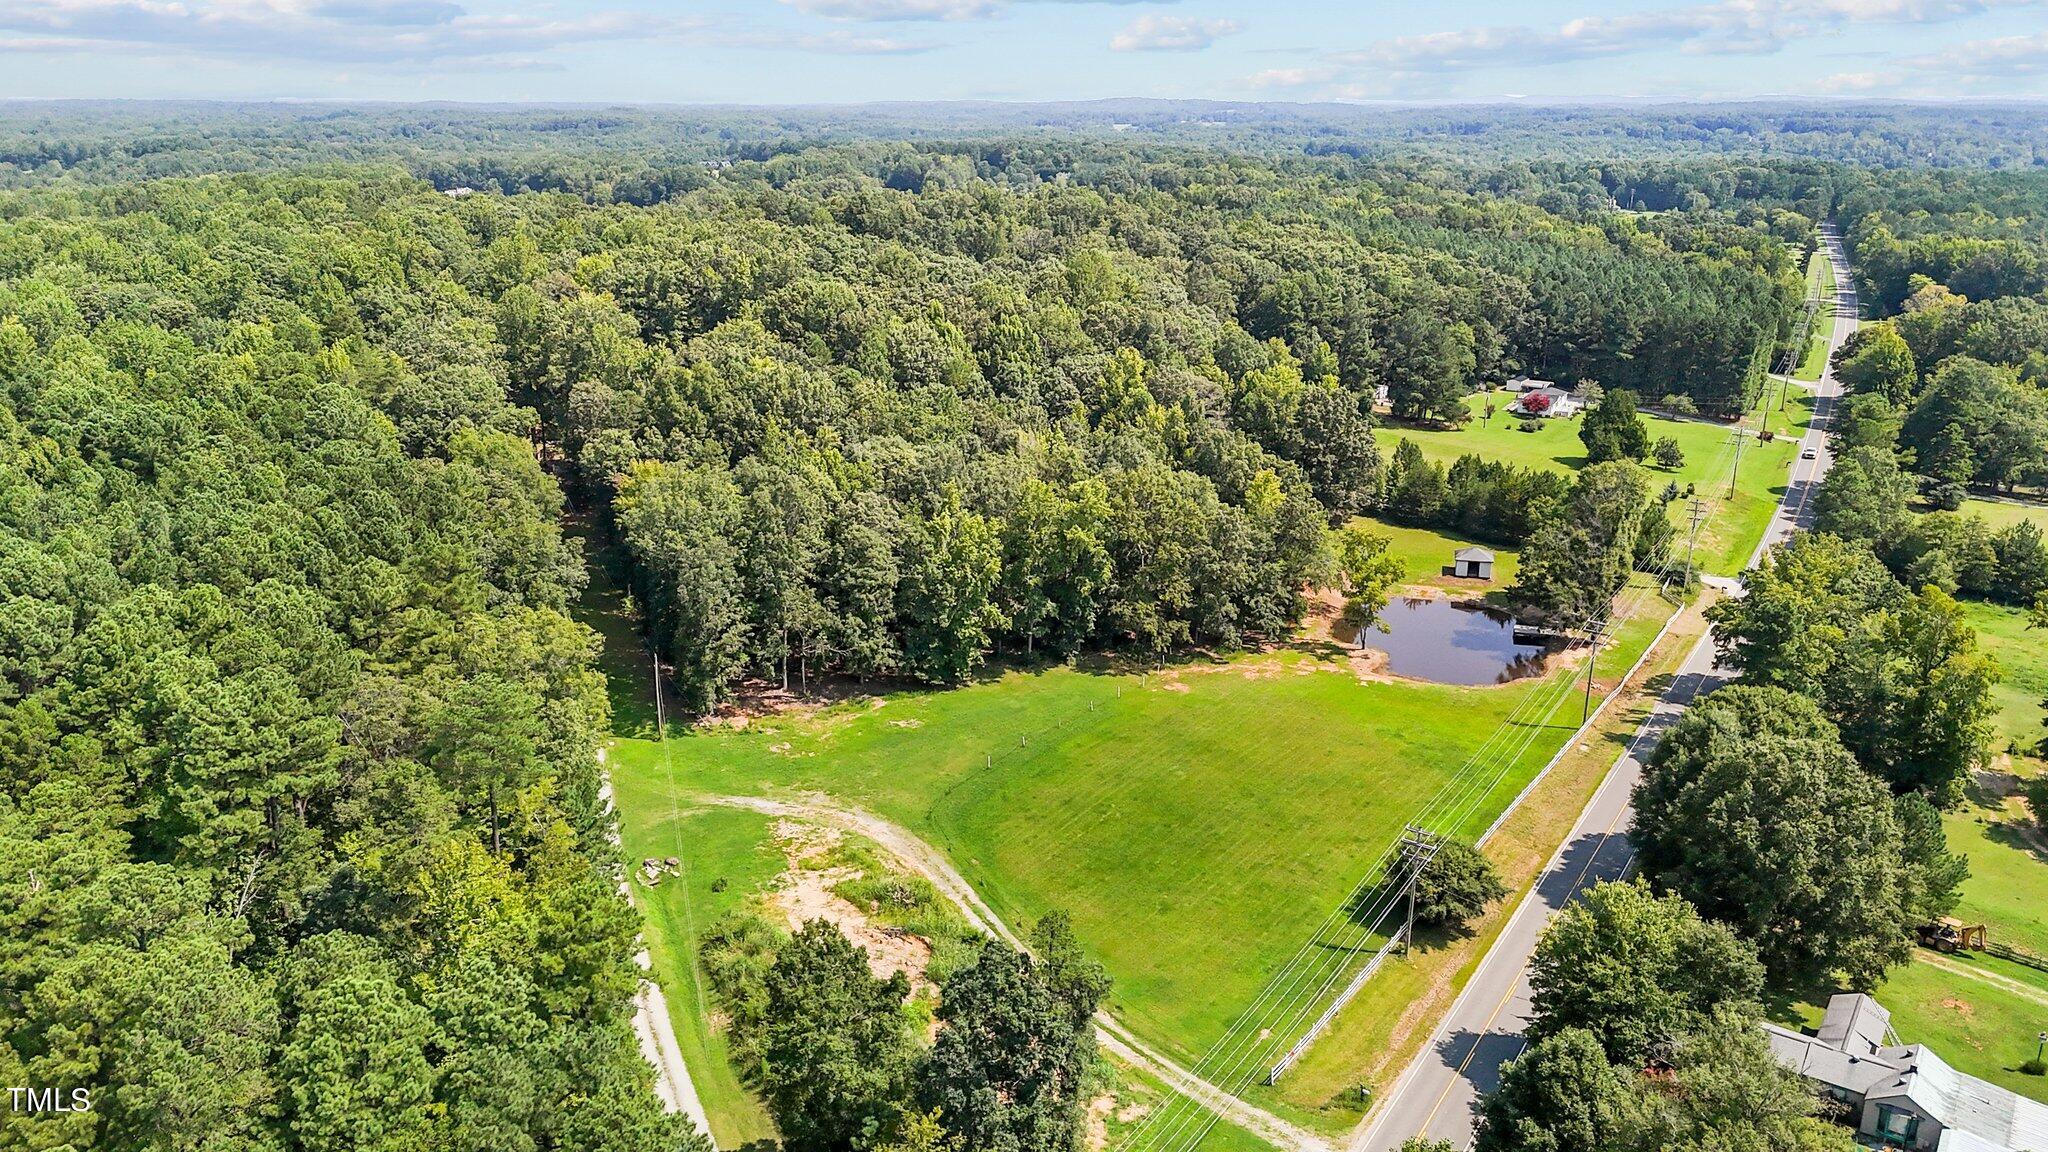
<point x="1557" y="395"/>
<point x="1855" y="1024"/>
<point x="1473" y="553"/>
<point x="1526" y="383"/>
<point x="1957" y="1140"/>
<point x="1815" y="1059"/>
<point x="1998" y="1116"/>
<point x="1850" y="1053"/>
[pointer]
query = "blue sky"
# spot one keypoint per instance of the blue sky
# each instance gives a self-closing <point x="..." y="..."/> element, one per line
<point x="830" y="51"/>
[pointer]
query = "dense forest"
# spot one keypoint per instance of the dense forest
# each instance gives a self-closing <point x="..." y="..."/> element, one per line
<point x="300" y="837"/>
<point x="850" y="428"/>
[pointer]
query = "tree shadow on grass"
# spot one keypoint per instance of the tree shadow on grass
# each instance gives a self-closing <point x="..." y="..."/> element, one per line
<point x="2017" y="836"/>
<point x="1785" y="1004"/>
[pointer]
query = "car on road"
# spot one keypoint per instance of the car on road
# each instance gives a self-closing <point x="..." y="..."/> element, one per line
<point x="1808" y="454"/>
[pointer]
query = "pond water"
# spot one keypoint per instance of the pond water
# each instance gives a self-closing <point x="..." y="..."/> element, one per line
<point x="1426" y="638"/>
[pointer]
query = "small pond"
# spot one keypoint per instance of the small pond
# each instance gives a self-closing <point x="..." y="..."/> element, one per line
<point x="1427" y="638"/>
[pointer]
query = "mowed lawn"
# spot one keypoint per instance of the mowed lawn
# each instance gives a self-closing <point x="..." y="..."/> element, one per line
<point x="1734" y="524"/>
<point x="2008" y="884"/>
<point x="1819" y="268"/>
<point x="727" y="855"/>
<point x="2022" y="655"/>
<point x="1196" y="823"/>
<point x="1426" y="552"/>
<point x="2000" y="513"/>
<point x="1984" y="1023"/>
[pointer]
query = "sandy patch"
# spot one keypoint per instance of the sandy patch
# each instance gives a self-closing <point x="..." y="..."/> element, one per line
<point x="804" y="893"/>
<point x="1961" y="1008"/>
<point x="1320" y="618"/>
<point x="1095" y="1133"/>
<point x="1095" y="1122"/>
<point x="906" y="723"/>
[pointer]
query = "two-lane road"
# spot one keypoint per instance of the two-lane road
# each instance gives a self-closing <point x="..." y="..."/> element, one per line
<point x="1438" y="1095"/>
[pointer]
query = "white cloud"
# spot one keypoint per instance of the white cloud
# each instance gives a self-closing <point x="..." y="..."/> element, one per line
<point x="351" y="31"/>
<point x="1716" y="27"/>
<point x="1293" y="77"/>
<point x="1154" y="32"/>
<point x="835" y="42"/>
<point x="1977" y="63"/>
<point x="892" y="10"/>
<point x="936" y="10"/>
<point x="382" y="32"/>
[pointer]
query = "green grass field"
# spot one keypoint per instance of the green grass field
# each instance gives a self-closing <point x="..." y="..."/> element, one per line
<point x="1735" y="524"/>
<point x="1999" y="513"/>
<point x="723" y="848"/>
<point x="1424" y="552"/>
<point x="1788" y="407"/>
<point x="1222" y="812"/>
<point x="1819" y="268"/>
<point x="2008" y="885"/>
<point x="1224" y="808"/>
<point x="2022" y="655"/>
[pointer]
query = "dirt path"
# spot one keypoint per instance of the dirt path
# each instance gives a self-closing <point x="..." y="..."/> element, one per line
<point x="651" y="1021"/>
<point x="926" y="861"/>
<point x="1972" y="972"/>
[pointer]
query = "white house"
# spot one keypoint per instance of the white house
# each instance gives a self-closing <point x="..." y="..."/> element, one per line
<point x="1903" y="1095"/>
<point x="1546" y="400"/>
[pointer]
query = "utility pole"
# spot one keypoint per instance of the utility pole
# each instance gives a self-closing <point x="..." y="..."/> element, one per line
<point x="1418" y="848"/>
<point x="658" y="732"/>
<point x="1594" y="635"/>
<point x="1736" y="468"/>
<point x="1697" y="509"/>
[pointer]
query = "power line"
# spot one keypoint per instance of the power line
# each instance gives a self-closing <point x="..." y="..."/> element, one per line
<point x="1241" y="1044"/>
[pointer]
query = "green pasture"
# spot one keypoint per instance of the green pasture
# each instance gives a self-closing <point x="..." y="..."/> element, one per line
<point x="1196" y="823"/>
<point x="1819" y="268"/>
<point x="2008" y="884"/>
<point x="2022" y="655"/>
<point x="1735" y="523"/>
<point x="2000" y="513"/>
<point x="1426" y="552"/>
<point x="727" y="856"/>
